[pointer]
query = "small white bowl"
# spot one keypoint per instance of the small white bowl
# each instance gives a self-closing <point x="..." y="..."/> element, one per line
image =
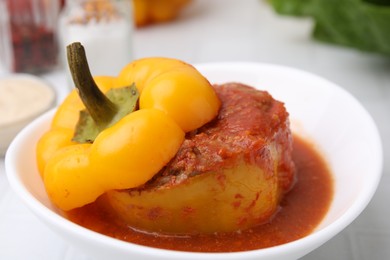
<point x="320" y="111"/>
<point x="23" y="97"/>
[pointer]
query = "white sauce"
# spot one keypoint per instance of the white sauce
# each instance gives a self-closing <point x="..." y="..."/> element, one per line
<point x="23" y="97"/>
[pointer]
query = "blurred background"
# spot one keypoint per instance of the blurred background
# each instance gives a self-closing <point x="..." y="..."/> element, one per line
<point x="344" y="41"/>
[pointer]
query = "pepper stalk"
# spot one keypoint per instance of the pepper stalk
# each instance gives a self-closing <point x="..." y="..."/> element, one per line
<point x="102" y="111"/>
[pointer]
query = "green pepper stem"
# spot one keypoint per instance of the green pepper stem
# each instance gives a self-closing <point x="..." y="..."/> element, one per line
<point x="101" y="109"/>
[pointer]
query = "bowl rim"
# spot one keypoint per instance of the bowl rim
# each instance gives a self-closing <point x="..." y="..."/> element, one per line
<point x="313" y="240"/>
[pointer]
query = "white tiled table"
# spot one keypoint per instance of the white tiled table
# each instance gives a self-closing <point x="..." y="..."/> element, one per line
<point x="223" y="30"/>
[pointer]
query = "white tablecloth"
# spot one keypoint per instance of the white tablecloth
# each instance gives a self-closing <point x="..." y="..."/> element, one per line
<point x="221" y="30"/>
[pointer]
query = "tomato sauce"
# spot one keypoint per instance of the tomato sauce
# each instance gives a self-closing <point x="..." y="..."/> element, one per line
<point x="301" y="210"/>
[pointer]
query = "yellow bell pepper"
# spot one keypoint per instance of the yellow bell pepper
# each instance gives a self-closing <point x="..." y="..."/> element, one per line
<point x="156" y="11"/>
<point x="174" y="87"/>
<point x="125" y="155"/>
<point x="64" y="123"/>
<point x="174" y="98"/>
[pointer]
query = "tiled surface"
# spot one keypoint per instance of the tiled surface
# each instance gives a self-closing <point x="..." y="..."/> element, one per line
<point x="222" y="30"/>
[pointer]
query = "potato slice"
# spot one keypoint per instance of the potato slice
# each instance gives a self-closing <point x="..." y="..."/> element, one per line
<point x="233" y="199"/>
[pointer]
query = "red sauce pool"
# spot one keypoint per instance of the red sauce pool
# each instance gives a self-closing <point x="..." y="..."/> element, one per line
<point x="301" y="210"/>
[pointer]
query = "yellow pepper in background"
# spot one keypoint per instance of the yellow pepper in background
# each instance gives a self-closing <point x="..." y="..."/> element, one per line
<point x="156" y="11"/>
<point x="174" y="98"/>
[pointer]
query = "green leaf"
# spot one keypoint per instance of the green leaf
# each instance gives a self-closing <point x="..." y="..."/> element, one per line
<point x="361" y="24"/>
<point x="86" y="130"/>
<point x="293" y="7"/>
<point x="126" y="101"/>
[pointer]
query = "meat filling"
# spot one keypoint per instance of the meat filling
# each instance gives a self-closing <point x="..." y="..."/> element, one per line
<point x="228" y="175"/>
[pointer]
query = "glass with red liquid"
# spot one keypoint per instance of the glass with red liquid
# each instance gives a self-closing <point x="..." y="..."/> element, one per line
<point x="28" y="35"/>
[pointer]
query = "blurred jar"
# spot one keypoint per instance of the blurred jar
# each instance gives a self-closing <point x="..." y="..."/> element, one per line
<point x="27" y="35"/>
<point x="104" y="28"/>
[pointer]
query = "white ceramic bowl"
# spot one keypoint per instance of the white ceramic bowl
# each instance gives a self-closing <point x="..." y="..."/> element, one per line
<point x="320" y="111"/>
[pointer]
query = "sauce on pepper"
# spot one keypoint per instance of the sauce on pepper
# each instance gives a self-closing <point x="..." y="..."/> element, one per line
<point x="301" y="210"/>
